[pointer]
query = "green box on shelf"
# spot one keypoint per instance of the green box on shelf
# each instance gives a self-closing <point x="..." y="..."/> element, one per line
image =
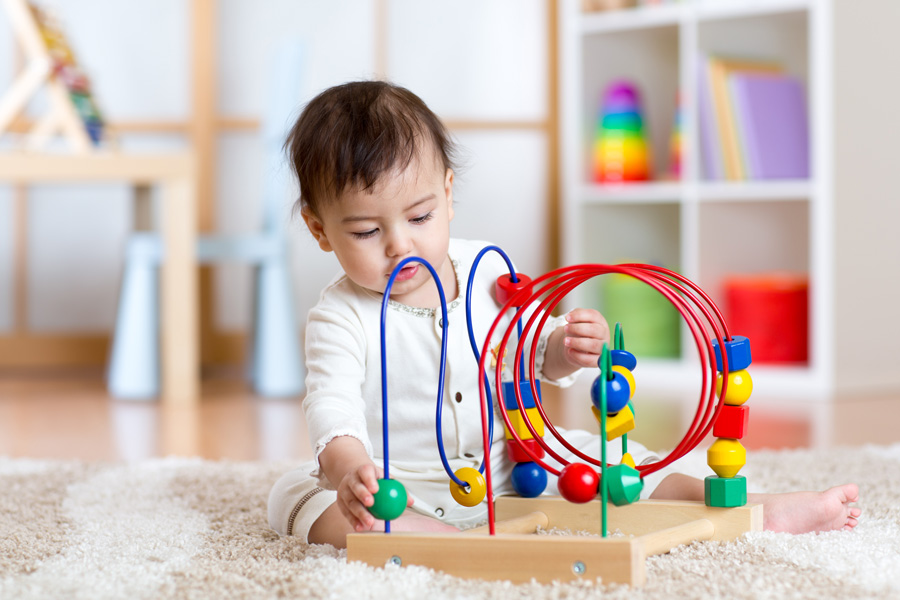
<point x="650" y="323"/>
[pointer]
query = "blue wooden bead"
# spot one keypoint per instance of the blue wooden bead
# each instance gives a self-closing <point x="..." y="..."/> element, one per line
<point x="623" y="358"/>
<point x="738" y="352"/>
<point x="509" y="394"/>
<point x="617" y="392"/>
<point x="529" y="479"/>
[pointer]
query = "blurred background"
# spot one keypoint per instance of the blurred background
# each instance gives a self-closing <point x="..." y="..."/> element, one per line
<point x="776" y="192"/>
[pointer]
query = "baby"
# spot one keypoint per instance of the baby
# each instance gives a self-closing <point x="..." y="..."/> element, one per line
<point x="376" y="175"/>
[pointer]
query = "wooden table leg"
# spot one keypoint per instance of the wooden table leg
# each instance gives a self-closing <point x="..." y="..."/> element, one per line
<point x="180" y="328"/>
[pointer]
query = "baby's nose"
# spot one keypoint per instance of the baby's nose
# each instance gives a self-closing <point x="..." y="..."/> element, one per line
<point x="399" y="244"/>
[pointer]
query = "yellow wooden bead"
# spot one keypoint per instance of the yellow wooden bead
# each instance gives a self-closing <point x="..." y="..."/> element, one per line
<point x="740" y="386"/>
<point x="628" y="375"/>
<point x="518" y="423"/>
<point x="627" y="459"/>
<point x="618" y="424"/>
<point x="726" y="457"/>
<point x="476" y="488"/>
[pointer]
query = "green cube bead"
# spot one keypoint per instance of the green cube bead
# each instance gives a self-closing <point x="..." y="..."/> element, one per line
<point x="725" y="492"/>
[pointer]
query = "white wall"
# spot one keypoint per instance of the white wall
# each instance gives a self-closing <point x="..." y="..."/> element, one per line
<point x="470" y="60"/>
<point x="867" y="196"/>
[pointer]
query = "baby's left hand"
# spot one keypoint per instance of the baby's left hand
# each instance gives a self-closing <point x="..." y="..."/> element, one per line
<point x="585" y="333"/>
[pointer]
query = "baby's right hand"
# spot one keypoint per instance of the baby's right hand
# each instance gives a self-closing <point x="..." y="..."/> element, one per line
<point x="355" y="493"/>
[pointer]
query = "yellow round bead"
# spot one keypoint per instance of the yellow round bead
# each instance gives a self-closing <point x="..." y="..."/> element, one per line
<point x="475" y="490"/>
<point x="726" y="457"/>
<point x="628" y="375"/>
<point x="740" y="386"/>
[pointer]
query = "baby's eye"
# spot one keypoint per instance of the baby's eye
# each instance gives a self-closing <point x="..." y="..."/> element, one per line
<point x="426" y="217"/>
<point x="362" y="235"/>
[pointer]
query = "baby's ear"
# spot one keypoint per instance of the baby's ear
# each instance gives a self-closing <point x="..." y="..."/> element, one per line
<point x="448" y="190"/>
<point x="314" y="224"/>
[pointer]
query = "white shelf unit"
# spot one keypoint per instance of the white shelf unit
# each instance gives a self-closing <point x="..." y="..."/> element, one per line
<point x="703" y="229"/>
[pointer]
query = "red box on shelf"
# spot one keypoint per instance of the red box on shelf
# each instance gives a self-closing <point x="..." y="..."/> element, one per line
<point x="773" y="311"/>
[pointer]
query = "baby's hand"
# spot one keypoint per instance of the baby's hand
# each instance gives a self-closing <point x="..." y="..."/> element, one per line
<point x="355" y="494"/>
<point x="586" y="331"/>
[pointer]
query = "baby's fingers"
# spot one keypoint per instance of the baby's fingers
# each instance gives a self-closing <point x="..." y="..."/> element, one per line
<point x="368" y="475"/>
<point x="585" y="334"/>
<point x="592" y="331"/>
<point x="587" y="315"/>
<point x="581" y="352"/>
<point x="355" y="512"/>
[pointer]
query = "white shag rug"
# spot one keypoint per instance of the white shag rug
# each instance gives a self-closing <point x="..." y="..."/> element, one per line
<point x="189" y="528"/>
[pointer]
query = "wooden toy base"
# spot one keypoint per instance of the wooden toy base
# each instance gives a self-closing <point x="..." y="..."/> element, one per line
<point x="516" y="554"/>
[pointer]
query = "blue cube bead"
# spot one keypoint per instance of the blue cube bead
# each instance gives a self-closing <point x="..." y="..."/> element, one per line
<point x="509" y="394"/>
<point x="738" y="352"/>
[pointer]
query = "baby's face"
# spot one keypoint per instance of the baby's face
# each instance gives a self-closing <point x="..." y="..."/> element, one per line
<point x="407" y="213"/>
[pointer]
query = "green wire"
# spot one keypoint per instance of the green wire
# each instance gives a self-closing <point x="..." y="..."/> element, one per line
<point x="606" y="363"/>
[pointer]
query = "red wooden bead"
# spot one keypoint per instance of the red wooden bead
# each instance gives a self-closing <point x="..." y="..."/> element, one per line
<point x="578" y="483"/>
<point x="516" y="454"/>
<point x="506" y="288"/>
<point x="732" y="422"/>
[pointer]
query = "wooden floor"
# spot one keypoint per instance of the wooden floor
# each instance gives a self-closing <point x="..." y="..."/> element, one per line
<point x="70" y="415"/>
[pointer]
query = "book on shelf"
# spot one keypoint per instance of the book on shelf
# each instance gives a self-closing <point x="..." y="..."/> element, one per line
<point x="753" y="121"/>
<point x="772" y="126"/>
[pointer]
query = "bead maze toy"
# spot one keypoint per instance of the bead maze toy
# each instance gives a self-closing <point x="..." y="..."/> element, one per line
<point x="594" y="501"/>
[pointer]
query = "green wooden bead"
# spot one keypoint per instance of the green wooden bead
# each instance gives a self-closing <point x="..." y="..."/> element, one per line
<point x="390" y="500"/>
<point x="624" y="484"/>
<point x="725" y="492"/>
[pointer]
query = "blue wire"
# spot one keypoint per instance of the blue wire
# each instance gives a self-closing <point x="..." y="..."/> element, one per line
<point x="469" y="286"/>
<point x="443" y="365"/>
<point x="443" y="360"/>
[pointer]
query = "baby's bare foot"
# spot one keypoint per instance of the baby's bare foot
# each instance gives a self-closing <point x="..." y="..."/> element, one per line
<point x="802" y="512"/>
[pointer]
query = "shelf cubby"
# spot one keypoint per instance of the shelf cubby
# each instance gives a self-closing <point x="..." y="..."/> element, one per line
<point x="706" y="229"/>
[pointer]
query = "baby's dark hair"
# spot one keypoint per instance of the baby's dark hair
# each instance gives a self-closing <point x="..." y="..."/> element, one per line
<point x="348" y="136"/>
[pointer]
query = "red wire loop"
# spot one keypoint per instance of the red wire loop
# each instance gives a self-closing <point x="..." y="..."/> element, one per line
<point x="702" y="316"/>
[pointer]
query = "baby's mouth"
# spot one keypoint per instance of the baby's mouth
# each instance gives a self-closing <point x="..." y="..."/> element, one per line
<point x="407" y="272"/>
